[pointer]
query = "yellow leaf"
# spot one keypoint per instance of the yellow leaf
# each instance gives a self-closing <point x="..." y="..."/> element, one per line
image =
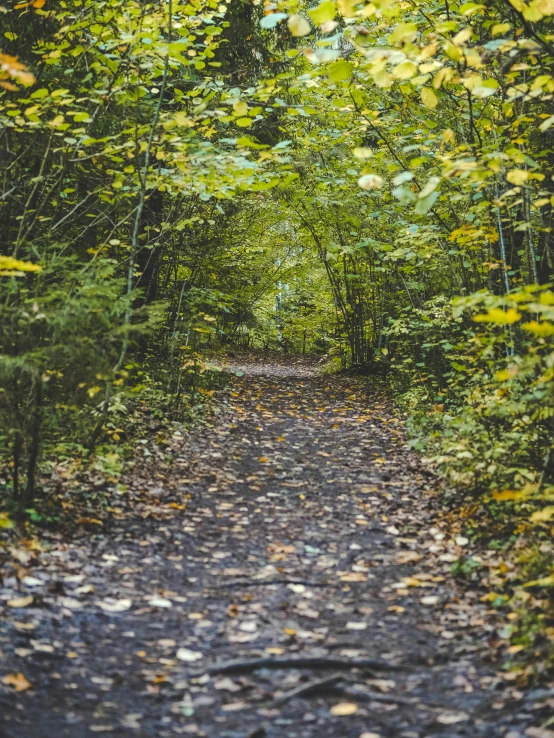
<point x="298" y="25"/>
<point x="5" y="521"/>
<point x="10" y="267"/>
<point x="404" y="32"/>
<point x="545" y="582"/>
<point x="323" y="13"/>
<point x="428" y="51"/>
<point x="18" y="681"/>
<point x="546" y="7"/>
<point x="405" y="70"/>
<point x="240" y="108"/>
<point x="428" y="97"/>
<point x="181" y="119"/>
<point x="541" y="330"/>
<point x="508" y="495"/>
<point x="343" y="709"/>
<point x="490" y="597"/>
<point x="413" y="582"/>
<point x="505" y="374"/>
<point x="442" y="76"/>
<point x="347" y="7"/>
<point x="498" y="316"/>
<point x="544" y="515"/>
<point x="517" y="176"/>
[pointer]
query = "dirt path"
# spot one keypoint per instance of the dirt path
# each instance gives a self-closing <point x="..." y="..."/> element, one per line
<point x="311" y="533"/>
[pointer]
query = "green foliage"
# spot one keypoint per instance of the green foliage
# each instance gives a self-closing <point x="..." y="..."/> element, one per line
<point x="371" y="181"/>
<point x="120" y="166"/>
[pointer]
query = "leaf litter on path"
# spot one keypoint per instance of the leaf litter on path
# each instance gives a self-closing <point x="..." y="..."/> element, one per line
<point x="264" y="576"/>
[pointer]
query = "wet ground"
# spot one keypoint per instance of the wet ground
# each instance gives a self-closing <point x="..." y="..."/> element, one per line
<point x="285" y="572"/>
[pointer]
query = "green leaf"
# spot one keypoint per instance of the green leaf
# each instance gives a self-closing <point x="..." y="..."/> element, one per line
<point x="403" y="32"/>
<point x="340" y="70"/>
<point x="404" y="195"/>
<point x="430" y="186"/>
<point x="324" y="12"/>
<point x="425" y="204"/>
<point x="402" y="178"/>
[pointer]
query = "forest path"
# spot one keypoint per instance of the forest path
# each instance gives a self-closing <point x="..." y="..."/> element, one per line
<point x="310" y="532"/>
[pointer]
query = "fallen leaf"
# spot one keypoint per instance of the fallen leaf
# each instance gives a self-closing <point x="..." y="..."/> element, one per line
<point x="32" y="582"/>
<point x="539" y="733"/>
<point x="353" y="576"/>
<point x="430" y="600"/>
<point x="185" y="654"/>
<point x="18" y="681"/>
<point x="450" y="718"/>
<point x="21" y="601"/>
<point x="111" y="605"/>
<point x="159" y="602"/>
<point x="227" y="684"/>
<point x="343" y="709"/>
<point x="70" y="603"/>
<point x="85" y="589"/>
<point x="383" y="685"/>
<point x="132" y="721"/>
<point x="406" y="557"/>
<point x="233" y="706"/>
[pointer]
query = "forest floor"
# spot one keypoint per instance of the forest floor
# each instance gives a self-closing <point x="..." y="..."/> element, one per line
<point x="283" y="572"/>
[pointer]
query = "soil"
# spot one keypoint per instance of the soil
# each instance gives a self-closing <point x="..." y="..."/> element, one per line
<point x="284" y="571"/>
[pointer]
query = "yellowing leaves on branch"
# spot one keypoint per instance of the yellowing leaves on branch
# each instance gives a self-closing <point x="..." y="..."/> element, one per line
<point x="12" y="69"/>
<point x="10" y="267"/>
<point x="367" y="182"/>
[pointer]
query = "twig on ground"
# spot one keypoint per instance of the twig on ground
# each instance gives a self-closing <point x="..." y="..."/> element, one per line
<point x="308" y="689"/>
<point x="261" y="583"/>
<point x="303" y="662"/>
<point x="355" y="692"/>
